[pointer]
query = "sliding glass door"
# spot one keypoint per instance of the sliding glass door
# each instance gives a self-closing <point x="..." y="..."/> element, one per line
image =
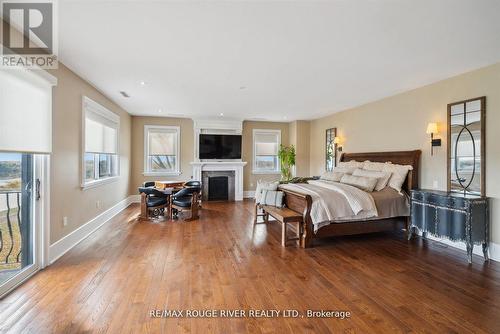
<point x="19" y="214"/>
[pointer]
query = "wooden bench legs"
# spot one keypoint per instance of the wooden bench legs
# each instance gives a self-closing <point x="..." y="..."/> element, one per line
<point x="284" y="238"/>
<point x="284" y="216"/>
<point x="257" y="215"/>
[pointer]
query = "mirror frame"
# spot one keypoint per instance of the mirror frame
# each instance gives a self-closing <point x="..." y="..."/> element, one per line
<point x="482" y="100"/>
<point x="329" y="141"/>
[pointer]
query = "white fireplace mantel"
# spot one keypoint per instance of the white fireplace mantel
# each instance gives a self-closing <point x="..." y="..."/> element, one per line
<point x="236" y="166"/>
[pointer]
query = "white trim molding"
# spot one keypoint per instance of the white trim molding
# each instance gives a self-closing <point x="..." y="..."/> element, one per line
<point x="214" y="127"/>
<point x="249" y="194"/>
<point x="135" y="198"/>
<point x="63" y="245"/>
<point x="494" y="249"/>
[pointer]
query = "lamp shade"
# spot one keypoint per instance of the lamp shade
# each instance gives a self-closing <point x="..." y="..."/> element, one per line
<point x="336" y="140"/>
<point x="432" y="128"/>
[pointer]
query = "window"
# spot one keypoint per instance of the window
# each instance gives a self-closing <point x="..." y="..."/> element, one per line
<point x="266" y="144"/>
<point x="100" y="153"/>
<point x="161" y="150"/>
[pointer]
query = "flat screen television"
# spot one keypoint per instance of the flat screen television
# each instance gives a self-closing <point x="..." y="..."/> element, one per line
<point x="220" y="146"/>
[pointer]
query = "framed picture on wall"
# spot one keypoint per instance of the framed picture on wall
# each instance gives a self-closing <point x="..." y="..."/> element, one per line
<point x="330" y="151"/>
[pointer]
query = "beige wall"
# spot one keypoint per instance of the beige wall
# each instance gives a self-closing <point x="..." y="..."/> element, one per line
<point x="299" y="137"/>
<point x="250" y="179"/>
<point x="186" y="149"/>
<point x="399" y="123"/>
<point x="67" y="197"/>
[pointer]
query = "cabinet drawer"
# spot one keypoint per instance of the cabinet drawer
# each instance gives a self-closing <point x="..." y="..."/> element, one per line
<point x="445" y="201"/>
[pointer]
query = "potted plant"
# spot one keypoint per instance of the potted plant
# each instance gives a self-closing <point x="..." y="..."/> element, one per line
<point x="286" y="154"/>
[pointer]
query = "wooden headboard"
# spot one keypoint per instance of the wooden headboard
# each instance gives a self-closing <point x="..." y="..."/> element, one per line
<point x="400" y="157"/>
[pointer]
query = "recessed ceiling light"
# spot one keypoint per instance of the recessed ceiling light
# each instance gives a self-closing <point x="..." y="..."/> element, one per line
<point x="142" y="83"/>
<point x="221" y="114"/>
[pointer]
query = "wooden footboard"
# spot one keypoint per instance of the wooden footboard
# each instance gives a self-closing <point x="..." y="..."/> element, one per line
<point x="301" y="203"/>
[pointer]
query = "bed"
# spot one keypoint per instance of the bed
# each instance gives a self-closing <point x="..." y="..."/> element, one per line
<point x="390" y="205"/>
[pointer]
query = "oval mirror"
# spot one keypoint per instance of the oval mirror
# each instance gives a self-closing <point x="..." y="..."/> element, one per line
<point x="466" y="146"/>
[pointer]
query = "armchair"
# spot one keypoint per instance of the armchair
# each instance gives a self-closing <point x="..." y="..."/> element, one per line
<point x="185" y="200"/>
<point x="153" y="201"/>
<point x="195" y="184"/>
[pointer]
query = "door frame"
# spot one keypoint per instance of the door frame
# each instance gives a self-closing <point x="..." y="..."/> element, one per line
<point x="41" y="226"/>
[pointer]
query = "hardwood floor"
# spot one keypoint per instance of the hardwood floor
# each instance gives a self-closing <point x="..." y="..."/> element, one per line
<point x="111" y="281"/>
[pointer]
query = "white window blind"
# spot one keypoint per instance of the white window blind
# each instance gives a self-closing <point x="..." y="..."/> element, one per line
<point x="161" y="150"/>
<point x="100" y="143"/>
<point x="101" y="129"/>
<point x="163" y="142"/>
<point x="26" y="111"/>
<point x="266" y="146"/>
<point x="266" y="143"/>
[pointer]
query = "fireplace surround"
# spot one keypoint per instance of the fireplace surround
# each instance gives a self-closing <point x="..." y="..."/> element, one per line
<point x="218" y="185"/>
<point x="232" y="169"/>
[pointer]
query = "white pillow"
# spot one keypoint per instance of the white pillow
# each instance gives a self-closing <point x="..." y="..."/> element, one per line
<point x="398" y="177"/>
<point x="332" y="176"/>
<point x="264" y="185"/>
<point x="382" y="177"/>
<point x="376" y="166"/>
<point x="362" y="182"/>
<point x="272" y="197"/>
<point x="351" y="163"/>
<point x="345" y="169"/>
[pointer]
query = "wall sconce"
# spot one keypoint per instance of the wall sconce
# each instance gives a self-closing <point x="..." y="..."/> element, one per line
<point x="336" y="141"/>
<point x="432" y="129"/>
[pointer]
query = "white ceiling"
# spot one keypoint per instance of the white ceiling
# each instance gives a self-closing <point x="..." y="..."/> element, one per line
<point x="295" y="60"/>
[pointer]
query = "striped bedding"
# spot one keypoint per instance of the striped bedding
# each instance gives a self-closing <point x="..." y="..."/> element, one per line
<point x="335" y="201"/>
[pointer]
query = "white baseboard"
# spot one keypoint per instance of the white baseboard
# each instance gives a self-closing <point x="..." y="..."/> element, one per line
<point x="494" y="249"/>
<point x="135" y="198"/>
<point x="249" y="194"/>
<point x="61" y="246"/>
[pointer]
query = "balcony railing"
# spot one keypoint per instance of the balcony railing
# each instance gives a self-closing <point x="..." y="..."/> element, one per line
<point x="10" y="230"/>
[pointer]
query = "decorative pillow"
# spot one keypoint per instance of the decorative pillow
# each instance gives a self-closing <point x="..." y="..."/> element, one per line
<point x="376" y="166"/>
<point x="351" y="163"/>
<point x="272" y="197"/>
<point x="382" y="177"/>
<point x="398" y="177"/>
<point x="346" y="169"/>
<point x="362" y="182"/>
<point x="264" y="185"/>
<point x="332" y="176"/>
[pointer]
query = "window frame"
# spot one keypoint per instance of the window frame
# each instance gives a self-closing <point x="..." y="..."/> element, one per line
<point x="256" y="170"/>
<point x="147" y="167"/>
<point x="89" y="105"/>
